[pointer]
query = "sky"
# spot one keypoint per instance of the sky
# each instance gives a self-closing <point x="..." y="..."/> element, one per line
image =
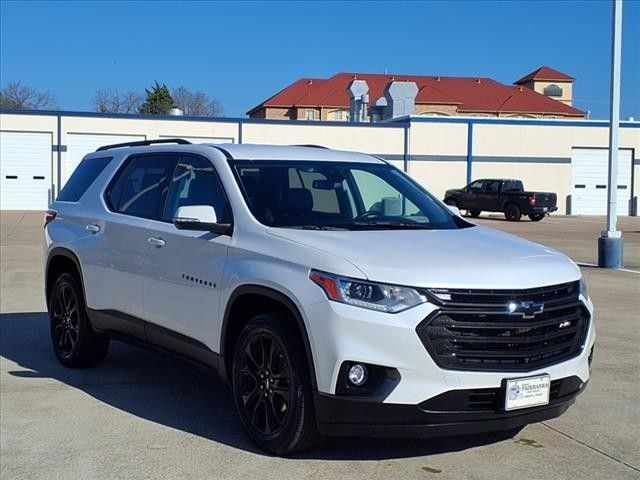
<point x="244" y="52"/>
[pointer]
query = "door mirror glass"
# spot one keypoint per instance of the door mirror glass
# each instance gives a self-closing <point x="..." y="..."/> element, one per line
<point x="455" y="210"/>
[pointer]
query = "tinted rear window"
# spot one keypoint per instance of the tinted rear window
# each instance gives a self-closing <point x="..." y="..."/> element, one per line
<point x="82" y="178"/>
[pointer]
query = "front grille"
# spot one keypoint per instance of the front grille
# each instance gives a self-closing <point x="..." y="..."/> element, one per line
<point x="474" y="329"/>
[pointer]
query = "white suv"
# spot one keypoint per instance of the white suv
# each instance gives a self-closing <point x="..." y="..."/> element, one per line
<point x="334" y="293"/>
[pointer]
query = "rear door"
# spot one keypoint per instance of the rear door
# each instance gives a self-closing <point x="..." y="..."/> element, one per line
<point x="490" y="197"/>
<point x="133" y="198"/>
<point x="182" y="281"/>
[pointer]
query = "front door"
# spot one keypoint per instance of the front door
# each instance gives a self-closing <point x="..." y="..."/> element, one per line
<point x="185" y="268"/>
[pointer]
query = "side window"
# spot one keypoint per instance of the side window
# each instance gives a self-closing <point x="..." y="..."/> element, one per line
<point x="82" y="178"/>
<point x="492" y="187"/>
<point x="476" y="186"/>
<point x="142" y="186"/>
<point x="195" y="182"/>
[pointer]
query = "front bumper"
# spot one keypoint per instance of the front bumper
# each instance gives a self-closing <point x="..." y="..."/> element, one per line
<point x="349" y="416"/>
<point x="341" y="333"/>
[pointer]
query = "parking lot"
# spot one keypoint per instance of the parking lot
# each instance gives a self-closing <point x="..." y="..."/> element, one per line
<point x="143" y="415"/>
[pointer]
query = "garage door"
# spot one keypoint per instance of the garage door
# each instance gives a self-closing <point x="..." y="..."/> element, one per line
<point x="589" y="173"/>
<point x="25" y="167"/>
<point x="79" y="144"/>
<point x="202" y="139"/>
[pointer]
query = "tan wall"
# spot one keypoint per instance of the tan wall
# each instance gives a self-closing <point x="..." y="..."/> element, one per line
<point x="364" y="139"/>
<point x="427" y="108"/>
<point x="438" y="150"/>
<point x="275" y="113"/>
<point x="438" y="177"/>
<point x="567" y="90"/>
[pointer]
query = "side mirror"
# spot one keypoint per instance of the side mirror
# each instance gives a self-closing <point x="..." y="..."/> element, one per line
<point x="455" y="210"/>
<point x="200" y="217"/>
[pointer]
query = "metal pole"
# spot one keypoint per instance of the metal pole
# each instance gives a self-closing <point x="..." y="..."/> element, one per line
<point x="610" y="245"/>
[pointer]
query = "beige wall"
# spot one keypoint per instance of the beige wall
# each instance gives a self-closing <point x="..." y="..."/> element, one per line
<point x="349" y="137"/>
<point x="438" y="150"/>
<point x="567" y="90"/>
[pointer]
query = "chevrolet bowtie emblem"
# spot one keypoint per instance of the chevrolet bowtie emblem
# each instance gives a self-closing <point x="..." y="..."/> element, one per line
<point x="527" y="309"/>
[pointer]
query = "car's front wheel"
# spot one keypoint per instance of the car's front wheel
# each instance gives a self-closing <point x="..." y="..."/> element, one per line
<point x="475" y="213"/>
<point x="74" y="341"/>
<point x="272" y="387"/>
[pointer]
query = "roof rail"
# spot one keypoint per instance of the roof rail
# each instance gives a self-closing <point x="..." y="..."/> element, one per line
<point x="142" y="143"/>
<point x="310" y="145"/>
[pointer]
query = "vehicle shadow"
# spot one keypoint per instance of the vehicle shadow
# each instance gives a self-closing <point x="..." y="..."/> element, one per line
<point x="170" y="392"/>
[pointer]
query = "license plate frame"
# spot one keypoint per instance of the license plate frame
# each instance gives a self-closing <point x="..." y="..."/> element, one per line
<point x="527" y="392"/>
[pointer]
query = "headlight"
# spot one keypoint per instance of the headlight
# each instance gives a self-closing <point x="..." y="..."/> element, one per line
<point x="360" y="293"/>
<point x="583" y="287"/>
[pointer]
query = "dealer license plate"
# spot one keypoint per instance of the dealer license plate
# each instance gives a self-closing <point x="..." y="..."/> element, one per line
<point x="527" y="392"/>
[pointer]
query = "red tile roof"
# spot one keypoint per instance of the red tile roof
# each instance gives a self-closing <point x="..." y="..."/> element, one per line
<point x="468" y="94"/>
<point x="545" y="73"/>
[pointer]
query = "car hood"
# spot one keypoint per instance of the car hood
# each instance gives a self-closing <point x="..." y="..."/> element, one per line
<point x="475" y="257"/>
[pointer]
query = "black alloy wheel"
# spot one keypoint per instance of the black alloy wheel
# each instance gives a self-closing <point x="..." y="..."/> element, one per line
<point x="272" y="387"/>
<point x="265" y="383"/>
<point x="75" y="343"/>
<point x="65" y="319"/>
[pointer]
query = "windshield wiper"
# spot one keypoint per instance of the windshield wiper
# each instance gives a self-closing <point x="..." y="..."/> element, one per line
<point x="316" y="227"/>
<point x="392" y="224"/>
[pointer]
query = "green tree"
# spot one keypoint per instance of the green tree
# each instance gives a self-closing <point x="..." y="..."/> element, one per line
<point x="158" y="102"/>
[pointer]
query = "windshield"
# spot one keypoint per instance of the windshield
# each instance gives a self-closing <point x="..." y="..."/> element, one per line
<point x="336" y="196"/>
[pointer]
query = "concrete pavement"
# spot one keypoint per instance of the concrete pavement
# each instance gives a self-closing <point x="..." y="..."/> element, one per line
<point x="141" y="415"/>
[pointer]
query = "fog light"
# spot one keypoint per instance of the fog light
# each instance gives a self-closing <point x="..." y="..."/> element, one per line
<point x="357" y="374"/>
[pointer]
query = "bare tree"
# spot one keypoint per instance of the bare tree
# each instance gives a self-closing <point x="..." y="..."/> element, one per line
<point x="197" y="104"/>
<point x="21" y="97"/>
<point x="107" y="100"/>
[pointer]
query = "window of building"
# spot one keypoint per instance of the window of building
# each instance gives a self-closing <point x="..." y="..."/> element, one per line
<point x="552" y="91"/>
<point x="309" y="115"/>
<point x="338" y="115"/>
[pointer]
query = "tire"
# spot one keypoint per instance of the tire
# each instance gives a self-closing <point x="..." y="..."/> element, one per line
<point x="536" y="217"/>
<point x="74" y="341"/>
<point x="512" y="212"/>
<point x="273" y="393"/>
<point x="451" y="201"/>
<point x="475" y="213"/>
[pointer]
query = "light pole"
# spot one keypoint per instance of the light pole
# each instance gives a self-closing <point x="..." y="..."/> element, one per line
<point x="610" y="245"/>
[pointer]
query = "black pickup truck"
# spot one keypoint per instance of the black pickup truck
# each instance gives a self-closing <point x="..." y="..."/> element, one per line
<point x="502" y="195"/>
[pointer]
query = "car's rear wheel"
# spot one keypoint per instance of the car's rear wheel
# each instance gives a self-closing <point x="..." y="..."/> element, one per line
<point x="272" y="388"/>
<point x="75" y="343"/>
<point x="475" y="213"/>
<point x="512" y="212"/>
<point x="536" y="217"/>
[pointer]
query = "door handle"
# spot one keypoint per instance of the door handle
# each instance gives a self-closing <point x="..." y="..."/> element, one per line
<point x="92" y="228"/>
<point x="156" y="241"/>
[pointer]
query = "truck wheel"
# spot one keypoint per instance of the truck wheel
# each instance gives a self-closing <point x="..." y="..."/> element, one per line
<point x="475" y="213"/>
<point x="271" y="387"/>
<point x="536" y="217"/>
<point x="74" y="342"/>
<point x="512" y="212"/>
